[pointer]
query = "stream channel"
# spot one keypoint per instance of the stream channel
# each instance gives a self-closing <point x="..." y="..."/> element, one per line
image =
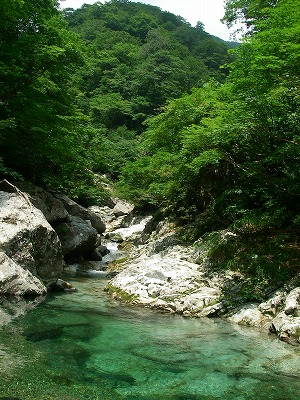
<point x="85" y="345"/>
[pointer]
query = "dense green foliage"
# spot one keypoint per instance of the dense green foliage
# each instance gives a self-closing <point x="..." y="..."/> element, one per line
<point x="139" y="57"/>
<point x="76" y="85"/>
<point x="228" y="155"/>
<point x="234" y="147"/>
<point x="38" y="55"/>
<point x="124" y="88"/>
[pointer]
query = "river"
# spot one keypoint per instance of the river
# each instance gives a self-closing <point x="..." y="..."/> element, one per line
<point x="85" y="345"/>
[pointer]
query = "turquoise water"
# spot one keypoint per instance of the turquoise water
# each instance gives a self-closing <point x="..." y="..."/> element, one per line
<point x="85" y="345"/>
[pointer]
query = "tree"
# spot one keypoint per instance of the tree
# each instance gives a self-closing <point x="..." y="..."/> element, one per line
<point x="37" y="114"/>
<point x="247" y="12"/>
<point x="140" y="57"/>
<point x="236" y="145"/>
<point x="265" y="78"/>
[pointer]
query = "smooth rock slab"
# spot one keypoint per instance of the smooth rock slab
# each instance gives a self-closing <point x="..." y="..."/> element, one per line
<point x="166" y="281"/>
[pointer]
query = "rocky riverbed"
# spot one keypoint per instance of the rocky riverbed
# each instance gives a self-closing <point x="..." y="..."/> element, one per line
<point x="45" y="235"/>
<point x="161" y="273"/>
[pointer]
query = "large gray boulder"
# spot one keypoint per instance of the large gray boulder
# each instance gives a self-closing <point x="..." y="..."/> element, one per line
<point x="77" y="237"/>
<point x="52" y="208"/>
<point x="77" y="210"/>
<point x="122" y="208"/>
<point x="27" y="238"/>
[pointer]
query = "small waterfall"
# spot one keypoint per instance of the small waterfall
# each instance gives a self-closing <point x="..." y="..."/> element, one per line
<point x="115" y="235"/>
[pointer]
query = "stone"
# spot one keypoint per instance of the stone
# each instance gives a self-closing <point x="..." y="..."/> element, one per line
<point x="249" y="315"/>
<point x="52" y="208"/>
<point x="97" y="253"/>
<point x="27" y="238"/>
<point x="167" y="281"/>
<point x="122" y="208"/>
<point x="273" y="305"/>
<point x="61" y="286"/>
<point x="77" y="210"/>
<point x="12" y="307"/>
<point x="103" y="250"/>
<point x="160" y="273"/>
<point x="17" y="281"/>
<point x="116" y="237"/>
<point x="94" y="255"/>
<point x="285" y="325"/>
<point x="292" y="302"/>
<point x="272" y="329"/>
<point x="77" y="236"/>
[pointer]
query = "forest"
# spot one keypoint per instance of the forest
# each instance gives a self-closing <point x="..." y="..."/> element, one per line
<point x="200" y="130"/>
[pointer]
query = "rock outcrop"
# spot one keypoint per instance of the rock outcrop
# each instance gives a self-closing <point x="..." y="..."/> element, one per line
<point x="27" y="238"/>
<point x="163" y="274"/>
<point x="77" y="210"/>
<point x="52" y="208"/>
<point x="30" y="248"/>
<point x="77" y="236"/>
<point x="280" y="313"/>
<point x="115" y="216"/>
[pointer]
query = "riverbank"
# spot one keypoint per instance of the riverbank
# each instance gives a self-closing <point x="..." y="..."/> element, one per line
<point x="163" y="274"/>
<point x="149" y="262"/>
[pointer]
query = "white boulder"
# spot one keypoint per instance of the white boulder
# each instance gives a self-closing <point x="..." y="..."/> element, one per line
<point x="27" y="238"/>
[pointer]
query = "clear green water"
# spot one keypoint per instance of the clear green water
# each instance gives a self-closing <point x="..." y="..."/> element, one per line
<point x="84" y="345"/>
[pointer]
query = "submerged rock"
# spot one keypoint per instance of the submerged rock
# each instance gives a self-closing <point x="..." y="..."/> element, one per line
<point x="12" y="307"/>
<point x="61" y="286"/>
